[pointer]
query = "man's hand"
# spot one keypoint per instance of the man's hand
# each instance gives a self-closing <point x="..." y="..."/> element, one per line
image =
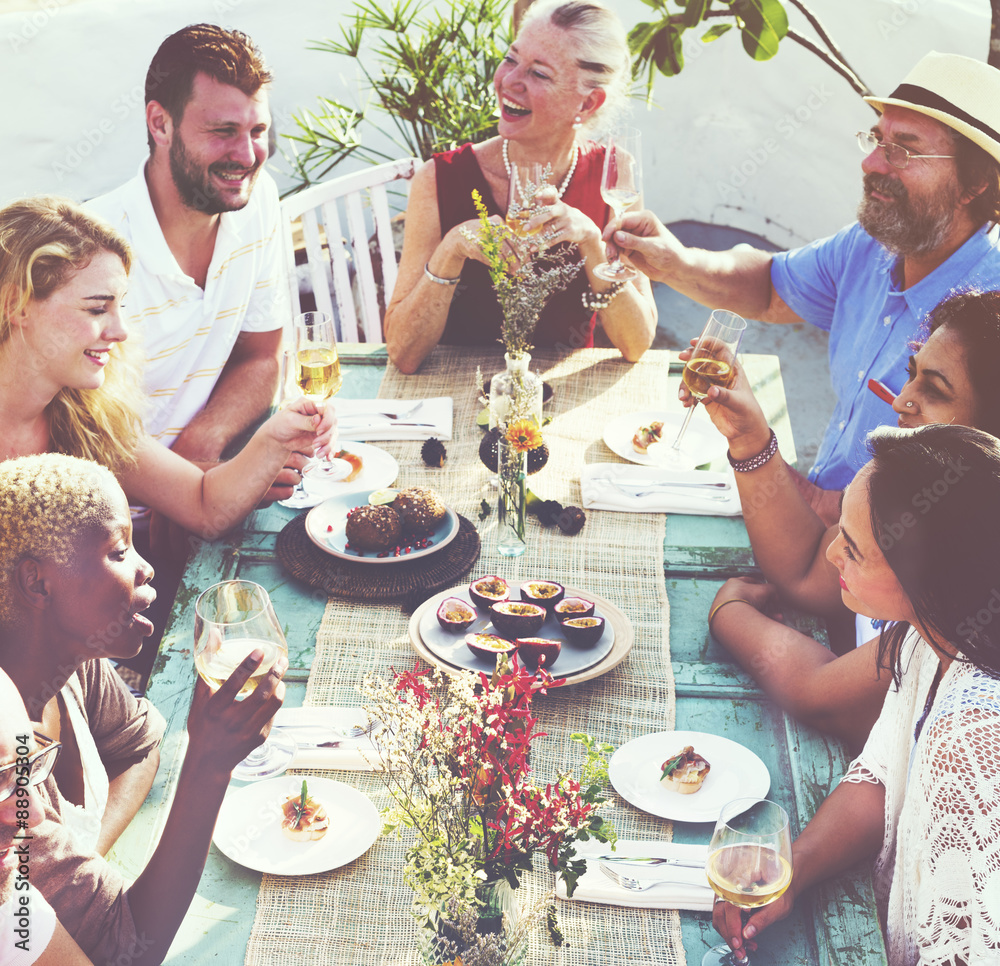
<point x="650" y="247"/>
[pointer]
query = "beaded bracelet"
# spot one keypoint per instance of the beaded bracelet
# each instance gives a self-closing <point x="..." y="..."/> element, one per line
<point x="718" y="607"/>
<point x="596" y="301"/>
<point x="437" y="278"/>
<point x="755" y="462"/>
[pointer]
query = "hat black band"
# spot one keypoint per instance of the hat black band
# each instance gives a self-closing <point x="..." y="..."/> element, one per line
<point x="926" y="98"/>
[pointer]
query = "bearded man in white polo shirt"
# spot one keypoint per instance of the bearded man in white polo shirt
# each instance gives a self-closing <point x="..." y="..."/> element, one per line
<point x="205" y="297"/>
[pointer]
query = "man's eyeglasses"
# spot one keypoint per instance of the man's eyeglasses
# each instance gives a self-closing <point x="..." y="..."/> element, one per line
<point x="39" y="766"/>
<point x="895" y="154"/>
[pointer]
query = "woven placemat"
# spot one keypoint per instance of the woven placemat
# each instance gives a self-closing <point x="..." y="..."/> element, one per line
<point x="616" y="555"/>
<point x="408" y="582"/>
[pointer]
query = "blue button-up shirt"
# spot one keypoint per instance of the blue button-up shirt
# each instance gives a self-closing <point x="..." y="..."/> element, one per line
<point x="849" y="285"/>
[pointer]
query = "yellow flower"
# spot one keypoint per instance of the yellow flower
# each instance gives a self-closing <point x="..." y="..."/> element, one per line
<point x="523" y="435"/>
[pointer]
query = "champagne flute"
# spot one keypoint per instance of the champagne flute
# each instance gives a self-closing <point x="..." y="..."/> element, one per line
<point x="232" y="618"/>
<point x="525" y="182"/>
<point x="712" y="363"/>
<point x="749" y="862"/>
<point x="317" y="369"/>
<point x="620" y="189"/>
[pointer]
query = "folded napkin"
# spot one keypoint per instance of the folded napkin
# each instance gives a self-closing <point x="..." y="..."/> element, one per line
<point x="688" y="888"/>
<point x="601" y="492"/>
<point x="304" y="724"/>
<point x="358" y="419"/>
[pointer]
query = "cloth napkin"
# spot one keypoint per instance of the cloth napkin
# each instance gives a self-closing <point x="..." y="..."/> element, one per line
<point x="599" y="493"/>
<point x="358" y="419"/>
<point x="354" y="754"/>
<point x="689" y="891"/>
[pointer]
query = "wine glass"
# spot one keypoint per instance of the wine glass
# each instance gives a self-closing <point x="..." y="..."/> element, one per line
<point x="525" y="182"/>
<point x="620" y="184"/>
<point x="317" y="368"/>
<point x="712" y="363"/>
<point x="749" y="862"/>
<point x="232" y="618"/>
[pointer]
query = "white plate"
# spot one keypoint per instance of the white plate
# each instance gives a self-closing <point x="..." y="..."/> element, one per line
<point x="326" y="527"/>
<point x="450" y="646"/>
<point x="736" y="772"/>
<point x="378" y="470"/>
<point x="702" y="442"/>
<point x="248" y="829"/>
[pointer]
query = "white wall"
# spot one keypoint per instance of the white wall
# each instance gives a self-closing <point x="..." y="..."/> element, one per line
<point x="766" y="147"/>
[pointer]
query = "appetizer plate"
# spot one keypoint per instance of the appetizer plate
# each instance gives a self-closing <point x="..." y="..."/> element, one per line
<point x="448" y="650"/>
<point x="736" y="772"/>
<point x="378" y="470"/>
<point x="702" y="442"/>
<point x="325" y="526"/>
<point x="248" y="829"/>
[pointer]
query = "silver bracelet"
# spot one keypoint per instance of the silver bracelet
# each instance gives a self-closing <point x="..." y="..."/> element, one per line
<point x="437" y="278"/>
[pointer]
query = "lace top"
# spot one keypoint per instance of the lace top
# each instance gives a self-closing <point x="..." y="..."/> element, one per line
<point x="937" y="877"/>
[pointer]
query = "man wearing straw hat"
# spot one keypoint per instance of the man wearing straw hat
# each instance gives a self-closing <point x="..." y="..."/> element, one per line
<point x="927" y="226"/>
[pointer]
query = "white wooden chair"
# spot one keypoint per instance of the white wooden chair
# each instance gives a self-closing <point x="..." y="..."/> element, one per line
<point x="326" y="270"/>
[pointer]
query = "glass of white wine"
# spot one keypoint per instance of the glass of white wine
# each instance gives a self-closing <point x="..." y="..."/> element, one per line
<point x="620" y="188"/>
<point x="525" y="183"/>
<point x="317" y="368"/>
<point x="712" y="363"/>
<point x="749" y="862"/>
<point x="232" y="618"/>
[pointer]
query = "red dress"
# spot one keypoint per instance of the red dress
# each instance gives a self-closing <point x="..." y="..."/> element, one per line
<point x="474" y="317"/>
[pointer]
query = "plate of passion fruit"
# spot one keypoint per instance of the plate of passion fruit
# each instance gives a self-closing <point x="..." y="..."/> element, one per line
<point x="570" y="633"/>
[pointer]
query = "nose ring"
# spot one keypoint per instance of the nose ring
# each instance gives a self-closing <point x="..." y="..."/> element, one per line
<point x="909" y="405"/>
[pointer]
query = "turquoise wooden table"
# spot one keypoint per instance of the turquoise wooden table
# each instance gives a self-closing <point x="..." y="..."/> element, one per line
<point x="834" y="925"/>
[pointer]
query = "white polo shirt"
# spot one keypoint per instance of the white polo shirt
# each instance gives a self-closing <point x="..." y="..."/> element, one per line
<point x="186" y="332"/>
<point x="27" y="924"/>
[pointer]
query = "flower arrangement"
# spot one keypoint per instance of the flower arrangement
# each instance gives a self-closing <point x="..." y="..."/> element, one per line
<point x="521" y="285"/>
<point x="456" y="754"/>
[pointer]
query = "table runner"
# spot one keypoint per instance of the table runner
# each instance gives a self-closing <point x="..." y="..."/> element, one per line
<point x="360" y="915"/>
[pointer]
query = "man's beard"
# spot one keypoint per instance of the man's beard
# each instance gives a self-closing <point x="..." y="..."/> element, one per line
<point x="194" y="183"/>
<point x="899" y="225"/>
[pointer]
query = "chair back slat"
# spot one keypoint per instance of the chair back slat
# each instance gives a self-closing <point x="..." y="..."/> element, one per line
<point x="358" y="201"/>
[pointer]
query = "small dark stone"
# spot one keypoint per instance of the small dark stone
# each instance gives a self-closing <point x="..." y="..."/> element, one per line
<point x="548" y="512"/>
<point x="537" y="458"/>
<point x="488" y="449"/>
<point x="571" y="520"/>
<point x="433" y="452"/>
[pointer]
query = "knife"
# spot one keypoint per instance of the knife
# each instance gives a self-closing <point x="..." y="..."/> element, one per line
<point x="650" y="860"/>
<point x="639" y="482"/>
<point x="352" y="427"/>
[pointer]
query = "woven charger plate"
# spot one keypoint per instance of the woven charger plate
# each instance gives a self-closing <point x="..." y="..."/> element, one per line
<point x="624" y="636"/>
<point x="403" y="582"/>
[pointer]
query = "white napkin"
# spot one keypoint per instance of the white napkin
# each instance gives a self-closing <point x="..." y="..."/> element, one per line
<point x="600" y="493"/>
<point x="358" y="419"/>
<point x="689" y="891"/>
<point x="354" y="754"/>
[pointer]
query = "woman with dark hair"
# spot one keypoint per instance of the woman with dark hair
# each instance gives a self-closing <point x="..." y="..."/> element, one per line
<point x="951" y="380"/>
<point x="919" y="546"/>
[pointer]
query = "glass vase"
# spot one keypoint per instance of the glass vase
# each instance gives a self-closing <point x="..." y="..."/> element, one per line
<point x="516" y="392"/>
<point x="443" y="944"/>
<point x="512" y="470"/>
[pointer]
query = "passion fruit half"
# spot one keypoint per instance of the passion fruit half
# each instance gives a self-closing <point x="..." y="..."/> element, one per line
<point x="538" y="652"/>
<point x="455" y="614"/>
<point x="517" y="618"/>
<point x="488" y="646"/>
<point x="573" y="607"/>
<point x="583" y="630"/>
<point x="487" y="591"/>
<point x="545" y="592"/>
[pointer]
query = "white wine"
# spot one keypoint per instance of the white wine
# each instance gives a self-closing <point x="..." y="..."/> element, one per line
<point x="701" y="373"/>
<point x="748" y="876"/>
<point x="319" y="371"/>
<point x="619" y="199"/>
<point x="216" y="666"/>
<point x="517" y="223"/>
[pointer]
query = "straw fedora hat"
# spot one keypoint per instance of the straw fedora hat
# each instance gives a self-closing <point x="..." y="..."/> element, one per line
<point x="958" y="91"/>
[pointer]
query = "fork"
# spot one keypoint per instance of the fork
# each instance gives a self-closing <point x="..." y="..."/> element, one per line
<point x="355" y="731"/>
<point x="638" y="492"/>
<point x="405" y="414"/>
<point x="630" y="884"/>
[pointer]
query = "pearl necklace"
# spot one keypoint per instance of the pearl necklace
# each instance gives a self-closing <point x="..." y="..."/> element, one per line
<point x="569" y="176"/>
